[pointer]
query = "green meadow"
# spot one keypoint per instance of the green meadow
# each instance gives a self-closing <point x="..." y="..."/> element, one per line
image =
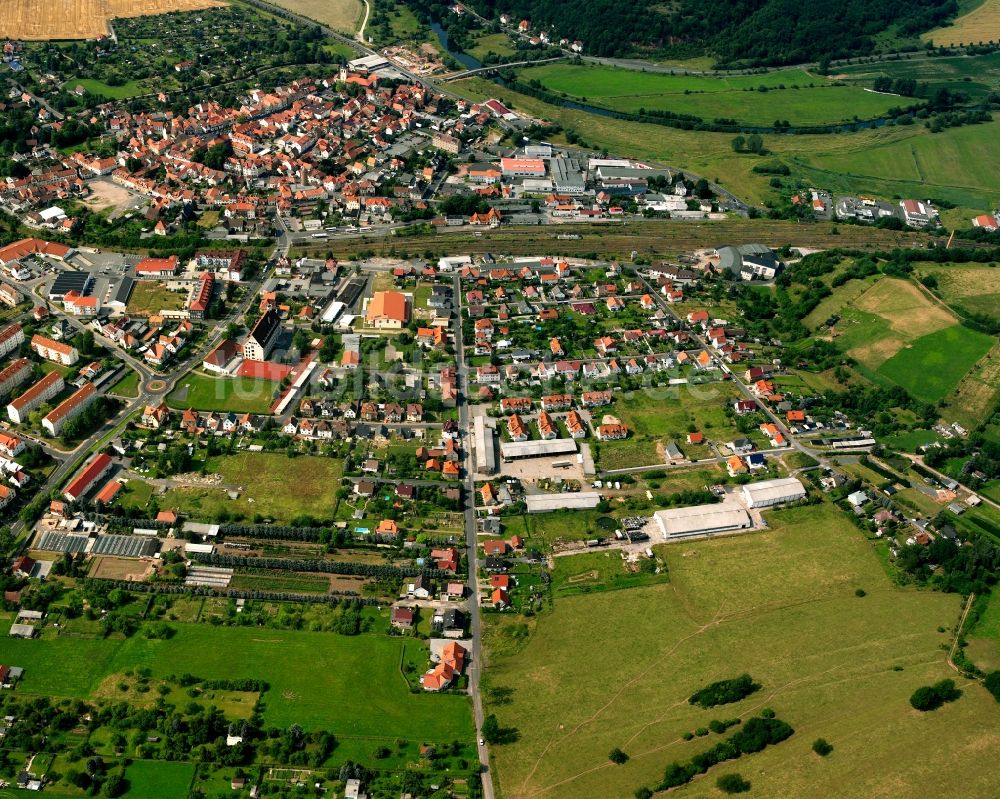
<point x="614" y="669"/>
<point x="240" y="395"/>
<point x="322" y="681"/>
<point x="932" y="366"/>
<point x="793" y="95"/>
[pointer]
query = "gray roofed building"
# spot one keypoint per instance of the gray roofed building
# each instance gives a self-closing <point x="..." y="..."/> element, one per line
<point x="749" y="261"/>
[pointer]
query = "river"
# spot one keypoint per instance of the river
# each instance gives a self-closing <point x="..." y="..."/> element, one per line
<point x="464" y="59"/>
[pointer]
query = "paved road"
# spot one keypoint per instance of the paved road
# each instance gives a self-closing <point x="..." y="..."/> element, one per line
<point x="475" y="621"/>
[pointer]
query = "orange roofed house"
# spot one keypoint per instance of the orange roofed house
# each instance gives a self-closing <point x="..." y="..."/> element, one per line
<point x="451" y="662"/>
<point x="388" y="310"/>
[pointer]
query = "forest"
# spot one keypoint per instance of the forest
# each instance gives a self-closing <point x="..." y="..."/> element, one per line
<point x="735" y="32"/>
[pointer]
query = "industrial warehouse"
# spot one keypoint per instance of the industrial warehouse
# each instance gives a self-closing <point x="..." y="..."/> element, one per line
<point x="677" y="523"/>
<point x="772" y="492"/>
<point x="730" y="515"/>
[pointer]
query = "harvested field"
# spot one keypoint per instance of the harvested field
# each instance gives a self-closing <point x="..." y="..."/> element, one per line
<point x="341" y="15"/>
<point x="120" y="569"/>
<point x="969" y="288"/>
<point x="905" y="307"/>
<point x="979" y="25"/>
<point x="81" y="19"/>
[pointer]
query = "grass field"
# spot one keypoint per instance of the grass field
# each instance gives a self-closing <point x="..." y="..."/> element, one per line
<point x="971" y="287"/>
<point x="879" y="318"/>
<point x="597" y="571"/>
<point x="271" y="485"/>
<point x="347" y="685"/>
<point x="974" y="75"/>
<point x="657" y="416"/>
<point x="129" y="89"/>
<point x="150" y="779"/>
<point x="932" y="366"/>
<point x="341" y="15"/>
<point x="975" y="397"/>
<point x="960" y="165"/>
<point x="984" y="640"/>
<point x="150" y="297"/>
<point x="496" y="43"/>
<point x="981" y="24"/>
<point x="127" y="386"/>
<point x="81" y="19"/>
<point x="615" y="669"/>
<point x="793" y="95"/>
<point x="240" y="395"/>
<point x="932" y="165"/>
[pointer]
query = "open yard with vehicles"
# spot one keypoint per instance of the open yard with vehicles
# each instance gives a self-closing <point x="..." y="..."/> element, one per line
<point x="239" y="395"/>
<point x="779" y="605"/>
<point x="81" y="19"/>
<point x="270" y="485"/>
<point x="793" y="95"/>
<point x="341" y="15"/>
<point x="322" y="681"/>
<point x="959" y="164"/>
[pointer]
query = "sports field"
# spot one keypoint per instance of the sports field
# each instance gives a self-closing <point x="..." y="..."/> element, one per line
<point x="609" y="670"/>
<point x="981" y="24"/>
<point x="240" y="395"/>
<point x="793" y="95"/>
<point x="270" y="484"/>
<point x="341" y="15"/>
<point x="322" y="681"/>
<point x="81" y="19"/>
<point x="960" y="165"/>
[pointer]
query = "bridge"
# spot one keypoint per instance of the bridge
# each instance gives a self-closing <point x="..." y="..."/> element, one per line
<point x="494" y="68"/>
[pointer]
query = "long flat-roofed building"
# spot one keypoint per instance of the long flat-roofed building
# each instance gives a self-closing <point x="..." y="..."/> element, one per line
<point x="511" y="450"/>
<point x="484" y="435"/>
<point x="678" y="523"/>
<point x="572" y="500"/>
<point x="773" y="492"/>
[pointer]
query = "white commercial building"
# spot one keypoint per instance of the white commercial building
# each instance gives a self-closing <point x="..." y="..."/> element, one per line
<point x="677" y="523"/>
<point x="570" y="500"/>
<point x="773" y="492"/>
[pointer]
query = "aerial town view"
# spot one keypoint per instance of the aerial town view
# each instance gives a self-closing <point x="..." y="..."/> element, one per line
<point x="499" y="399"/>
